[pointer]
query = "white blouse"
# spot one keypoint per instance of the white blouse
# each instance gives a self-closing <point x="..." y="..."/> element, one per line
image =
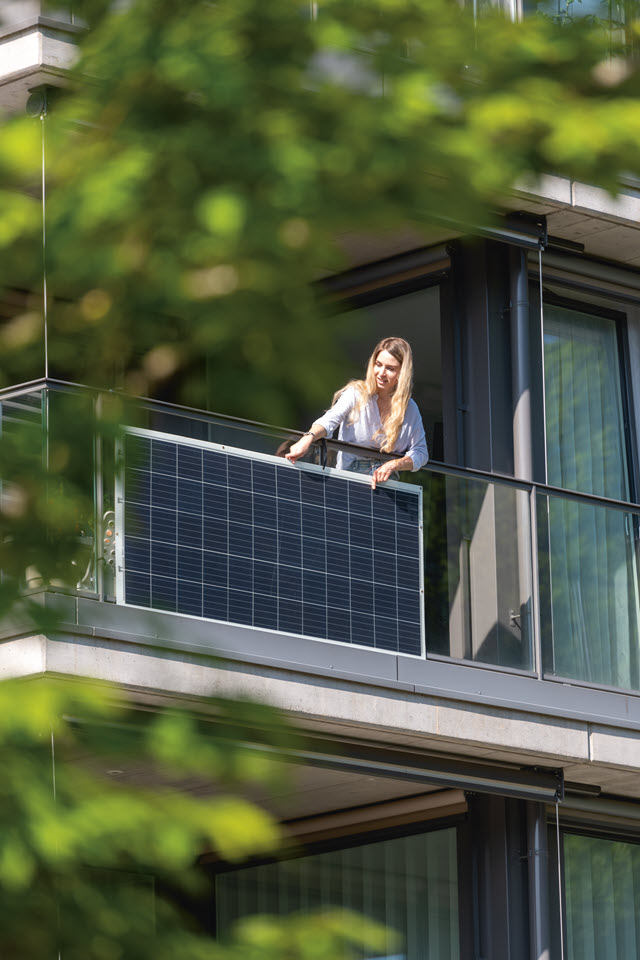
<point x="411" y="439"/>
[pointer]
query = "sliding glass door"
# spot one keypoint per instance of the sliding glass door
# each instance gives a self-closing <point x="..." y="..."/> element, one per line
<point x="591" y="629"/>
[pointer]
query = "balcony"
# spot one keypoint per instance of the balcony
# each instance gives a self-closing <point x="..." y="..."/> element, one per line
<point x="523" y="586"/>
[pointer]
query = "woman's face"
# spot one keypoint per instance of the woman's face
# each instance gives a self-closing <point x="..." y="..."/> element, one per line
<point x="386" y="370"/>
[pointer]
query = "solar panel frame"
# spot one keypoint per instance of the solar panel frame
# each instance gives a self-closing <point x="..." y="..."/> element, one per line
<point x="261" y="550"/>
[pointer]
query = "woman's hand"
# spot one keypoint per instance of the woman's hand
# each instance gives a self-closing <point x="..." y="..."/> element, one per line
<point x="383" y="472"/>
<point x="299" y="448"/>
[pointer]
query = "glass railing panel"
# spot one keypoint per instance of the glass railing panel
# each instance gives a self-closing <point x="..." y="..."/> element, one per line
<point x="590" y="612"/>
<point x="477" y="562"/>
<point x="70" y="453"/>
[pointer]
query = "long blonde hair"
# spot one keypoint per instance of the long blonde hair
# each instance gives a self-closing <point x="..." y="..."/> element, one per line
<point x="400" y="351"/>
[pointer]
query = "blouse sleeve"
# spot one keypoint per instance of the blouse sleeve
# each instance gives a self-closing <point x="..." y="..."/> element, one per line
<point x="417" y="441"/>
<point x="339" y="411"/>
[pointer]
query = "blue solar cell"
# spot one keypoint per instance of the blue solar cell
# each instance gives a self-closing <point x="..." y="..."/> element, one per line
<point x="336" y="494"/>
<point x="189" y="462"/>
<point x="289" y="516"/>
<point x="163" y="525"/>
<point x="384" y="536"/>
<point x="163" y="458"/>
<point x="240" y="540"/>
<point x="265" y="578"/>
<point x="339" y="624"/>
<point x="386" y="633"/>
<point x="360" y="530"/>
<point x="189" y="497"/>
<point x="214" y="467"/>
<point x="164" y="559"/>
<point x="288" y="483"/>
<point x="289" y="549"/>
<point x="408" y="572"/>
<point x="313" y="521"/>
<point x="385" y="601"/>
<point x="189" y="564"/>
<point x="362" y="596"/>
<point x="241" y="574"/>
<point x="338" y="558"/>
<point x="163" y="491"/>
<point x="163" y="593"/>
<point x="240" y="607"/>
<point x="138" y="589"/>
<point x="265" y="612"/>
<point x="264" y="478"/>
<point x="265" y="544"/>
<point x="138" y="554"/>
<point x="137" y="452"/>
<point x="262" y="543"/>
<point x="215" y="535"/>
<point x="409" y="605"/>
<point x="239" y="473"/>
<point x="215" y="569"/>
<point x="137" y="520"/>
<point x="360" y="498"/>
<point x="289" y="616"/>
<point x="214" y="501"/>
<point x="314" y="620"/>
<point x="338" y="591"/>
<point x="190" y="529"/>
<point x="384" y="504"/>
<point x="384" y="567"/>
<point x="362" y="563"/>
<point x="362" y="628"/>
<point x="190" y="598"/>
<point x="241" y="506"/>
<point x="314" y="587"/>
<point x="290" y="583"/>
<point x="215" y="603"/>
<point x="265" y="513"/>
<point x="406" y="508"/>
<point x="408" y="542"/>
<point x="138" y="486"/>
<point x="314" y="554"/>
<point x="337" y="526"/>
<point x="312" y="487"/>
<point x="409" y="637"/>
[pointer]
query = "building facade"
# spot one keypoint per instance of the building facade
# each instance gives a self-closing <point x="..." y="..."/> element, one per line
<point x="472" y="769"/>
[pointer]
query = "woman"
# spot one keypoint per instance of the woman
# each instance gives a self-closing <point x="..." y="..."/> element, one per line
<point x="375" y="412"/>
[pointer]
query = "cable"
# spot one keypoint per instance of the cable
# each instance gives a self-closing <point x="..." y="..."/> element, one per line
<point x="560" y="901"/>
<point x="44" y="251"/>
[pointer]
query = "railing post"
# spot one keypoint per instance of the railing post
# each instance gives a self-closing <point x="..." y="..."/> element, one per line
<point x="535" y="583"/>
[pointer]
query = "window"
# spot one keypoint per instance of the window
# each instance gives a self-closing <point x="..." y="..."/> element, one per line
<point x="591" y="621"/>
<point x="602" y="898"/>
<point x="410" y="884"/>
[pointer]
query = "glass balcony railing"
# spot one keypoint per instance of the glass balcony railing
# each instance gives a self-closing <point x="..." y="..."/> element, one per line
<point x="448" y="563"/>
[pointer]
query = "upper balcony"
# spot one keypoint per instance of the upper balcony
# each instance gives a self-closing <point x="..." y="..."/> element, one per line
<point x="452" y="582"/>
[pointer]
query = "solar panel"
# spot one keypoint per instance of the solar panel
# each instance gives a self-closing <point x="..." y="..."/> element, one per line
<point x="211" y="531"/>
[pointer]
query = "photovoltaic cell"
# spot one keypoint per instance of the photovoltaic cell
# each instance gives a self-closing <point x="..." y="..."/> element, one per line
<point x="251" y="539"/>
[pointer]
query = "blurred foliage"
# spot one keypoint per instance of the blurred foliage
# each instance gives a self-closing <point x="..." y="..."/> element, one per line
<point x="207" y="158"/>
<point x="104" y="811"/>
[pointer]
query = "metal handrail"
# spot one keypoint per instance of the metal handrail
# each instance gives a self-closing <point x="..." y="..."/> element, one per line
<point x="433" y="466"/>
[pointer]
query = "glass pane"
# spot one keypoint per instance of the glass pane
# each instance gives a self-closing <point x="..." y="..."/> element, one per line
<point x="409" y="884"/>
<point x="585" y="426"/>
<point x="416" y="317"/>
<point x="590" y="624"/>
<point x="602" y="897"/>
<point x="589" y="592"/>
<point x="477" y="571"/>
